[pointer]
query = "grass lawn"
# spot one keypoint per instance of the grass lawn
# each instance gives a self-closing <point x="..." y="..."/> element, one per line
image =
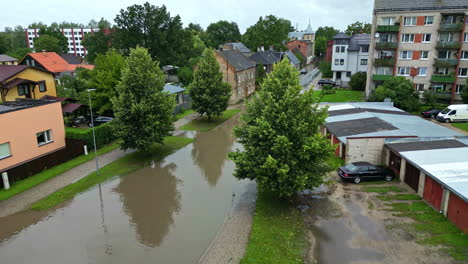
<point x="202" y="124"/>
<point x="126" y="164"/>
<point x="23" y="185"/>
<point x="278" y="234"/>
<point x="342" y="96"/>
<point x="184" y="114"/>
<point x="463" y="126"/>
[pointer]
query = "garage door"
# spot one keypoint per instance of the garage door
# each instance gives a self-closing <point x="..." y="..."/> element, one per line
<point x="458" y="212"/>
<point x="412" y="176"/>
<point x="395" y="163"/>
<point x="433" y="192"/>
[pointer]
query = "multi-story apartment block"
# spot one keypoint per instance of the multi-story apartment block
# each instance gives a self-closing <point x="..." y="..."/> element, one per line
<point x="349" y="55"/>
<point x="425" y="41"/>
<point x="74" y="35"/>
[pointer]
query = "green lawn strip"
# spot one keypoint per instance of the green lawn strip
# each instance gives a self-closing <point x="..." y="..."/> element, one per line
<point x="278" y="233"/>
<point x="405" y="196"/>
<point x="126" y="164"/>
<point x="382" y="189"/>
<point x="462" y="126"/>
<point x="342" y="96"/>
<point x="202" y="124"/>
<point x="184" y="114"/>
<point x="28" y="183"/>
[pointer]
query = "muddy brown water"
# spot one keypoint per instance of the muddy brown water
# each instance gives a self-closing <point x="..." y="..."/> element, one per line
<point x="167" y="212"/>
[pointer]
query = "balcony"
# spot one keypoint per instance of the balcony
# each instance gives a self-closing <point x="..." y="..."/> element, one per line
<point x="445" y="62"/>
<point x="378" y="77"/>
<point x="388" y="28"/>
<point x="384" y="62"/>
<point x="451" y="27"/>
<point x="386" y="45"/>
<point x="448" y="45"/>
<point x="443" y="78"/>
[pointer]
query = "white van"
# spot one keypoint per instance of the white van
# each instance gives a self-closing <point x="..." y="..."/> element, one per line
<point x="454" y="113"/>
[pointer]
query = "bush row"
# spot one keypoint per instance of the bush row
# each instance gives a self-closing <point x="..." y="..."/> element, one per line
<point x="104" y="135"/>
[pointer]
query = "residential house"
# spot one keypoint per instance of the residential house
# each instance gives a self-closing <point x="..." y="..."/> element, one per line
<point x="266" y="58"/>
<point x="305" y="47"/>
<point x="239" y="46"/>
<point x="350" y="55"/>
<point x="52" y="62"/>
<point x="7" y="60"/>
<point x="292" y="59"/>
<point x="23" y="81"/>
<point x="329" y="51"/>
<point x="307" y="34"/>
<point x="239" y="71"/>
<point x="425" y="42"/>
<point x="31" y="129"/>
<point x="71" y="58"/>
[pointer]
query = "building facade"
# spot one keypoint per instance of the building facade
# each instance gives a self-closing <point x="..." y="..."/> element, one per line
<point x="349" y="55"/>
<point x="426" y="43"/>
<point x="304" y="41"/>
<point x="74" y="35"/>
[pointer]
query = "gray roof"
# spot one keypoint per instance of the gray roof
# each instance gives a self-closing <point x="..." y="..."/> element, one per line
<point x="364" y="126"/>
<point x="266" y="57"/>
<point x="71" y="58"/>
<point x="300" y="34"/>
<point x="239" y="46"/>
<point x="358" y="40"/>
<point x="19" y="104"/>
<point x="402" y="5"/>
<point x="6" y="58"/>
<point x="292" y="58"/>
<point x="172" y="88"/>
<point x="426" y="145"/>
<point x="341" y="35"/>
<point x="236" y="59"/>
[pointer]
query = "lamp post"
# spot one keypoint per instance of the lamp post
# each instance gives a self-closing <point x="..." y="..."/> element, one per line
<point x="92" y="126"/>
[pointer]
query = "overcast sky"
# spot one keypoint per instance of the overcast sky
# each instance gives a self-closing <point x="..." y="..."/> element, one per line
<point x="336" y="13"/>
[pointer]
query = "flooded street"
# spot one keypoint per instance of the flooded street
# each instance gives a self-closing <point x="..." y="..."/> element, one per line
<point x="167" y="212"/>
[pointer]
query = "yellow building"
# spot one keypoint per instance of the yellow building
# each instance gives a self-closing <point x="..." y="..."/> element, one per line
<point x="23" y="81"/>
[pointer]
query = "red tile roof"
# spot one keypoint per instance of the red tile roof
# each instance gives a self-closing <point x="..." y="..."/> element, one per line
<point x="54" y="63"/>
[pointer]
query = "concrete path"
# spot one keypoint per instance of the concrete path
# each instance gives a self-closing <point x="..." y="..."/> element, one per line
<point x="230" y="243"/>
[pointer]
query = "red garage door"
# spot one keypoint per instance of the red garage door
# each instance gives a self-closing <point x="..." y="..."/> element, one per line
<point x="336" y="142"/>
<point x="412" y="176"/>
<point x="395" y="163"/>
<point x="458" y="212"/>
<point x="433" y="193"/>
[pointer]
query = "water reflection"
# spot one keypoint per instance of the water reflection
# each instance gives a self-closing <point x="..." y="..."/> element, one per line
<point x="210" y="150"/>
<point x="150" y="198"/>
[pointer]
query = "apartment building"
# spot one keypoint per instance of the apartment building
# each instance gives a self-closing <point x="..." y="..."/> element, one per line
<point x="74" y="35"/>
<point x="425" y="41"/>
<point x="349" y="56"/>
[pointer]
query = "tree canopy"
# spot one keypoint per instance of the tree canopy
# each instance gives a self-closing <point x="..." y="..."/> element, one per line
<point x="283" y="149"/>
<point x="358" y="81"/>
<point x="143" y="112"/>
<point x="47" y="43"/>
<point x="268" y="31"/>
<point x="221" y="32"/>
<point x="358" y="28"/>
<point x="96" y="43"/>
<point x="322" y="35"/>
<point x="401" y="91"/>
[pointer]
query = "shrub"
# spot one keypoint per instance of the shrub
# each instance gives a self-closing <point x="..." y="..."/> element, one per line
<point x="358" y="81"/>
<point x="464" y="95"/>
<point x="328" y="89"/>
<point x="325" y="68"/>
<point x="104" y="135"/>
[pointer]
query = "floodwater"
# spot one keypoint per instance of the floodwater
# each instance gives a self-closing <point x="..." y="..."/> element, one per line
<point x="167" y="212"/>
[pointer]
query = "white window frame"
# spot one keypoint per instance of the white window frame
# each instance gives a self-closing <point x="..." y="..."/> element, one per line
<point x="460" y="70"/>
<point x="409" y="55"/>
<point x="407" y="71"/>
<point x="431" y="22"/>
<point x="464" y="55"/>
<point x="420" y="69"/>
<point x="459" y="87"/>
<point x="436" y="87"/>
<point x="342" y="62"/>
<point x="421" y="55"/>
<point x="337" y="61"/>
<point x="391" y="21"/>
<point x="424" y="38"/>
<point x="47" y="137"/>
<point x="410" y="21"/>
<point x="364" y="60"/>
<point x="466" y="35"/>
<point x="8" y="147"/>
<point x="410" y="38"/>
<point x="418" y="85"/>
<point x="383" y="71"/>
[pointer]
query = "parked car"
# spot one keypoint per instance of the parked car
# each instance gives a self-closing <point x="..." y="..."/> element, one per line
<point x="454" y="113"/>
<point x="100" y="120"/>
<point x="326" y="82"/>
<point x="304" y="71"/>
<point x="80" y="120"/>
<point x="358" y="171"/>
<point x="431" y="113"/>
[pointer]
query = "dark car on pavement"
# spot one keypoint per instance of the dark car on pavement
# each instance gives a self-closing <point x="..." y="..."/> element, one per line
<point x="358" y="171"/>
<point x="100" y="120"/>
<point x="326" y="82"/>
<point x="431" y="113"/>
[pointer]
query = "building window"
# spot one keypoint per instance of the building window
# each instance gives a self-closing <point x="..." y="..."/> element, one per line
<point x="42" y="87"/>
<point x="441" y="71"/>
<point x="424" y="55"/>
<point x="428" y="20"/>
<point x="388" y="21"/>
<point x="439" y="87"/>
<point x="44" y="137"/>
<point x="407" y="38"/>
<point x="386" y="38"/>
<point x="406" y="55"/>
<point x="5" y="150"/>
<point x="458" y="90"/>
<point x="422" y="71"/>
<point x="446" y="37"/>
<point x="463" y="72"/>
<point x="363" y="61"/>
<point x="341" y="61"/>
<point x="420" y="87"/>
<point x="348" y="74"/>
<point x="427" y="38"/>
<point x="464" y="55"/>
<point x="343" y="48"/>
<point x="409" y="21"/>
<point x="365" y="48"/>
<point x="403" y="71"/>
<point x="466" y="35"/>
<point x="337" y="49"/>
<point x="23" y="89"/>
<point x="383" y="71"/>
<point x="444" y="54"/>
<point x="337" y="61"/>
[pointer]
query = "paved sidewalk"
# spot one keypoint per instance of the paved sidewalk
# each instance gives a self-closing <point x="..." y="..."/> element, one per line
<point x="230" y="243"/>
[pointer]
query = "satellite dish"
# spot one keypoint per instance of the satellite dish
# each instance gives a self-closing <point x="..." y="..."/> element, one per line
<point x="377" y="34"/>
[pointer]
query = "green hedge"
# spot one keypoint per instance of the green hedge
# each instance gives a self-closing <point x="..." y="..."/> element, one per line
<point x="104" y="135"/>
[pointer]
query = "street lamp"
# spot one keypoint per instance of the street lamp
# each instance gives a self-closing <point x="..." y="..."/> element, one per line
<point x="92" y="126"/>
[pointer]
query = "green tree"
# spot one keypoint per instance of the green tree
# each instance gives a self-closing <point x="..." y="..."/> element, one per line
<point x="210" y="95"/>
<point x="96" y="43"/>
<point x="19" y="53"/>
<point x="325" y="69"/>
<point x="358" y="28"/>
<point x="60" y="45"/>
<point x="322" y="35"/>
<point x="221" y="32"/>
<point x="71" y="86"/>
<point x="284" y="151"/>
<point x="4" y="43"/>
<point x="47" y="43"/>
<point x="268" y="31"/>
<point x="401" y="91"/>
<point x="261" y="74"/>
<point x="143" y="112"/>
<point x="358" y="81"/>
<point x="429" y="98"/>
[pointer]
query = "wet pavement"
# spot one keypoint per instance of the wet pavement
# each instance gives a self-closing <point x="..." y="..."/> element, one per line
<point x="167" y="212"/>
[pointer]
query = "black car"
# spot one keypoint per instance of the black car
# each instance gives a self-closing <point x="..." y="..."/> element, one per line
<point x="431" y="113"/>
<point x="358" y="171"/>
<point x="100" y="120"/>
<point x="326" y="82"/>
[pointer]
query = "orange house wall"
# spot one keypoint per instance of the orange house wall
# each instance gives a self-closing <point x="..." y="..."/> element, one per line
<point x="19" y="128"/>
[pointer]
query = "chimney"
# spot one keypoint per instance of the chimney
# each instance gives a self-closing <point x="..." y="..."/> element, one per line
<point x="44" y="52"/>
